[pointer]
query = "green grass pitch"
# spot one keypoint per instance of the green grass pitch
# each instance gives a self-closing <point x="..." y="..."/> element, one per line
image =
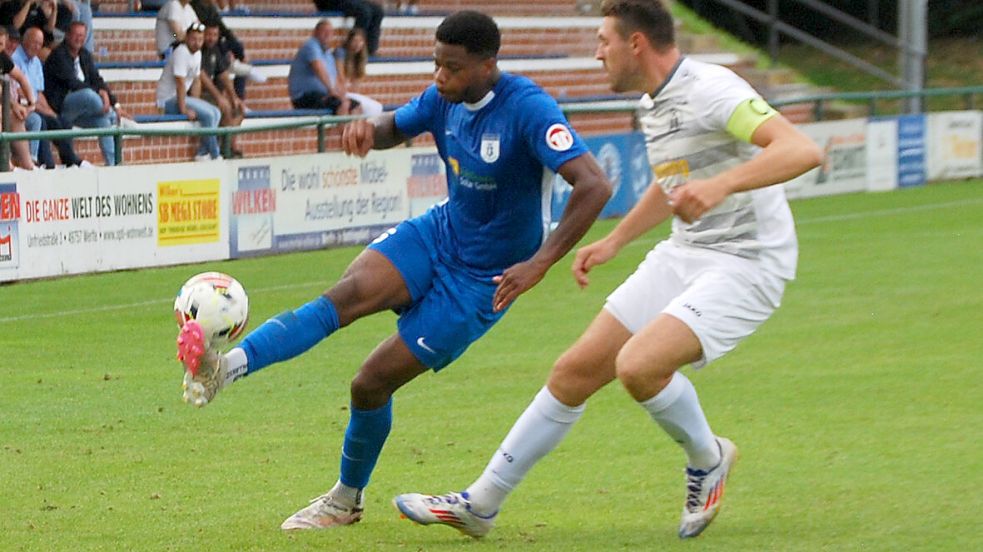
<point x="857" y="409"/>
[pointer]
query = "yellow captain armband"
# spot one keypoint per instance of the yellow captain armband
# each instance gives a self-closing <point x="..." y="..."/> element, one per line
<point x="747" y="117"/>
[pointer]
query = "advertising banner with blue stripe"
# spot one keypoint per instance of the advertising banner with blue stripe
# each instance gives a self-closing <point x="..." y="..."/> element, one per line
<point x="911" y="150"/>
<point x="623" y="158"/>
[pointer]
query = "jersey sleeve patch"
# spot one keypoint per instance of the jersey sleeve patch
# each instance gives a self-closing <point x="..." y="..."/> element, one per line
<point x="747" y="117"/>
<point x="558" y="137"/>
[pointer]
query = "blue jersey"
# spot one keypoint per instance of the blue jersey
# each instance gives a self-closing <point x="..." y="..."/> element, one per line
<point x="494" y="151"/>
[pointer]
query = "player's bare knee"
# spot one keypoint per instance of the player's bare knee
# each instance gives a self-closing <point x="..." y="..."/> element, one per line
<point x="642" y="374"/>
<point x="574" y="379"/>
<point x="369" y="392"/>
<point x="568" y="390"/>
<point x="352" y="299"/>
<point x="628" y="368"/>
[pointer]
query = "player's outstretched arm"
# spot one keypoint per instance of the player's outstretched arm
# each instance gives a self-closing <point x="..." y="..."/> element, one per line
<point x="362" y="135"/>
<point x="591" y="190"/>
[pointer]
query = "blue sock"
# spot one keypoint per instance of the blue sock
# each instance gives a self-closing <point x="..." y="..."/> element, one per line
<point x="366" y="433"/>
<point x="289" y="334"/>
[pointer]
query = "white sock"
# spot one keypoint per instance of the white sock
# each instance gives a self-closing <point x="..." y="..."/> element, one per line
<point x="345" y="494"/>
<point x="677" y="410"/>
<point x="236" y="368"/>
<point x="537" y="431"/>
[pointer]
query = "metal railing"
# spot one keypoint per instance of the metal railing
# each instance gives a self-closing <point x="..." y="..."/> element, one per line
<point x="322" y="123"/>
<point x="820" y="101"/>
<point x="910" y="41"/>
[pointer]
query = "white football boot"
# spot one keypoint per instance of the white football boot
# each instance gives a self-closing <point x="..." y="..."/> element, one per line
<point x="326" y="511"/>
<point x="206" y="371"/>
<point x="704" y="491"/>
<point x="451" y="509"/>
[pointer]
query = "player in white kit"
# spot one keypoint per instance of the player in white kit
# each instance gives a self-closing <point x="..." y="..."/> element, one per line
<point x="716" y="150"/>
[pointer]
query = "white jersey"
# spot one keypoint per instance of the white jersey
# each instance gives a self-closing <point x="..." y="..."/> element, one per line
<point x="181" y="63"/>
<point x="685" y="126"/>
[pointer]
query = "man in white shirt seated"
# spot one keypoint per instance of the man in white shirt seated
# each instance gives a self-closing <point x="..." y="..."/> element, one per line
<point x="182" y="75"/>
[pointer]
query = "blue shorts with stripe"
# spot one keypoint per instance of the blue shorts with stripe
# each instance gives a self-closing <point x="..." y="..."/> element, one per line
<point x="451" y="307"/>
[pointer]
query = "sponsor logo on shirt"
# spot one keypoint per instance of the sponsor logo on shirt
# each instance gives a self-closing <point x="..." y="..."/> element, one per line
<point x="559" y="138"/>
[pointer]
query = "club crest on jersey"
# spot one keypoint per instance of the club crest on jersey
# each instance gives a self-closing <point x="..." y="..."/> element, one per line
<point x="489" y="147"/>
<point x="559" y="138"/>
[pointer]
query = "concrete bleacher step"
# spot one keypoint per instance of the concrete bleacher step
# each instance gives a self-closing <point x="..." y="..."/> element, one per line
<point x="131" y="39"/>
<point x="394" y="83"/>
<point x="494" y="7"/>
<point x="138" y="96"/>
<point x="556" y="52"/>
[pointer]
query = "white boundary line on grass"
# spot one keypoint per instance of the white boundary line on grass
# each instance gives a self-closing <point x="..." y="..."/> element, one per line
<point x="817" y="220"/>
<point x="888" y="212"/>
<point x="110" y="308"/>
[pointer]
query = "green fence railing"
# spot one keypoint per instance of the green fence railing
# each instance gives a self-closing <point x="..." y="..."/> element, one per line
<point x="820" y="101"/>
<point x="322" y="123"/>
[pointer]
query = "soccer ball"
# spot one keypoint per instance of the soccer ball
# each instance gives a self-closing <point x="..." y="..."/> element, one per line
<point x="216" y="301"/>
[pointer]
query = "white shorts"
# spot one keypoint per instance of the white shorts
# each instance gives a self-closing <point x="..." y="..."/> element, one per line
<point x="721" y="297"/>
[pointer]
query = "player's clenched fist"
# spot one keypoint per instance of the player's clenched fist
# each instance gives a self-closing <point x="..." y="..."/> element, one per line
<point x="358" y="137"/>
<point x="695" y="198"/>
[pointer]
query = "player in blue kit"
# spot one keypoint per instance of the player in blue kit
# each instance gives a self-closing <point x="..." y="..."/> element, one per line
<point x="450" y="273"/>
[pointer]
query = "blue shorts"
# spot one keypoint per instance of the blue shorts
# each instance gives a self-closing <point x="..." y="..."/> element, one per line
<point x="451" y="308"/>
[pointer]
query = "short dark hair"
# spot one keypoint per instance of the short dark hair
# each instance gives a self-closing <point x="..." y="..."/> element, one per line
<point x="648" y="17"/>
<point x="477" y="32"/>
<point x="321" y="23"/>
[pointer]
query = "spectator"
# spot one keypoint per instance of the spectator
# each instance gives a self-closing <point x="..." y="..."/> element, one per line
<point x="26" y="97"/>
<point x="27" y="60"/>
<point x="148" y="5"/>
<point x="24" y="14"/>
<point x="216" y="83"/>
<point x="407" y="8"/>
<point x="75" y="89"/>
<point x="367" y="15"/>
<point x="208" y="13"/>
<point x="354" y="56"/>
<point x="172" y="20"/>
<point x="229" y="6"/>
<point x="313" y="80"/>
<point x="21" y="105"/>
<point x="182" y="74"/>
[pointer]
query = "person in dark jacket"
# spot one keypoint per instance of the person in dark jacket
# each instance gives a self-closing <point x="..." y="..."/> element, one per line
<point x="76" y="91"/>
<point x="230" y="46"/>
<point x="44" y="117"/>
